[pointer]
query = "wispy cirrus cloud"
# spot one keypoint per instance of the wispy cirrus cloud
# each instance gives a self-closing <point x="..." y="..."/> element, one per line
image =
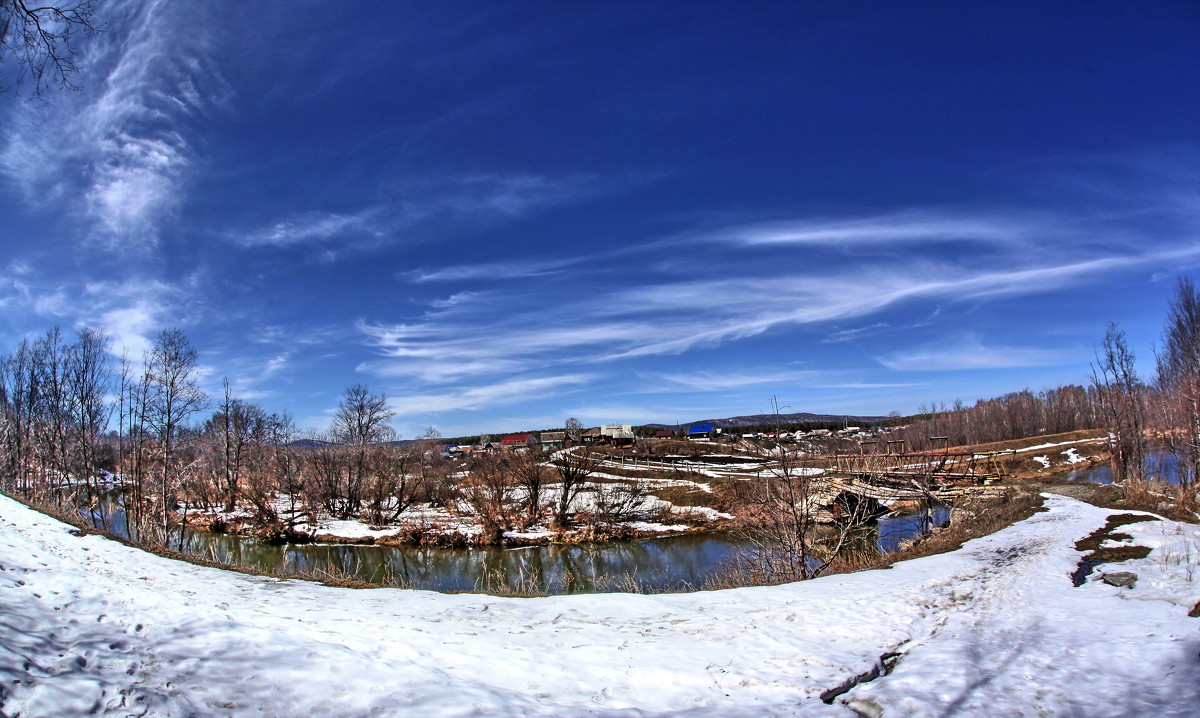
<point x="903" y="227"/>
<point x="472" y="398"/>
<point x="970" y="352"/>
<point x="117" y="154"/>
<point x="494" y="270"/>
<point x="664" y="318"/>
<point x="432" y="206"/>
<point x="706" y="381"/>
<point x="313" y="227"/>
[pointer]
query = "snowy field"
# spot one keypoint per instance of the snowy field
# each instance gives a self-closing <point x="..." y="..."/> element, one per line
<point x="91" y="627"/>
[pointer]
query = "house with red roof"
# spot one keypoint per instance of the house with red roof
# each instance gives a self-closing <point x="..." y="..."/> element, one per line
<point x="518" y="441"/>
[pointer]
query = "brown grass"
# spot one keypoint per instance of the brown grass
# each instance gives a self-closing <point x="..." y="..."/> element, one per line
<point x="1177" y="503"/>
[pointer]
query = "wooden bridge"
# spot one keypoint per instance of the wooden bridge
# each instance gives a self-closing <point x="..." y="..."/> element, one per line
<point x="940" y="476"/>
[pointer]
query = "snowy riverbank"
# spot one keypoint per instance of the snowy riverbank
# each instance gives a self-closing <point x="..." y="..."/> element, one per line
<point x="996" y="628"/>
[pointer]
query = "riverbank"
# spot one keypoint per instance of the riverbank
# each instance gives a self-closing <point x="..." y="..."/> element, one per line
<point x="456" y="526"/>
<point x="994" y="628"/>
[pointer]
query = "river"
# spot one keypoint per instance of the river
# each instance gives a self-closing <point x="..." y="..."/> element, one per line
<point x="1158" y="465"/>
<point x="670" y="563"/>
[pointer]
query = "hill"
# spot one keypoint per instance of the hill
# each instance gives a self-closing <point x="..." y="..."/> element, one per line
<point x="771" y="419"/>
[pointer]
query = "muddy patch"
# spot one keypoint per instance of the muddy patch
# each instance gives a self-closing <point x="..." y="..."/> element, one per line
<point x="1098" y="555"/>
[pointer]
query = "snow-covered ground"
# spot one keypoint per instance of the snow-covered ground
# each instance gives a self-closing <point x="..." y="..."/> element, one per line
<point x="88" y="626"/>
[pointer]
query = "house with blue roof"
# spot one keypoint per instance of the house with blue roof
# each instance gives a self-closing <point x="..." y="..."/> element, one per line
<point x="701" y="431"/>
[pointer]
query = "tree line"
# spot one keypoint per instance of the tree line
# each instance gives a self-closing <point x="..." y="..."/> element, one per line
<point x="77" y="422"/>
<point x="1161" y="411"/>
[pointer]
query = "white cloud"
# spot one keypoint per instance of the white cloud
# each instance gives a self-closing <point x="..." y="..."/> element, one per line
<point x="495" y="270"/>
<point x="665" y="318"/>
<point x="486" y="396"/>
<point x="113" y="154"/>
<point x="715" y="381"/>
<point x="438" y="203"/>
<point x="908" y="227"/>
<point x="971" y="353"/>
<point x="311" y="227"/>
<point x="130" y="328"/>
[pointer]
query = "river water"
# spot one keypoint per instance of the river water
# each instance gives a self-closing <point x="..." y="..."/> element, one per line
<point x="659" y="564"/>
<point x="1158" y="465"/>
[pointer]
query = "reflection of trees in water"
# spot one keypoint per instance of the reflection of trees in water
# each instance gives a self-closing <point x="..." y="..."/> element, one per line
<point x="667" y="563"/>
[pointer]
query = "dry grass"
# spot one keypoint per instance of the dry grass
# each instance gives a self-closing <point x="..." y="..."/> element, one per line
<point x="1023" y="444"/>
<point x="1177" y="503"/>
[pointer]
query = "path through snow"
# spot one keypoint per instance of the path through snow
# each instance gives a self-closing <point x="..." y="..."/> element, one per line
<point x="88" y="626"/>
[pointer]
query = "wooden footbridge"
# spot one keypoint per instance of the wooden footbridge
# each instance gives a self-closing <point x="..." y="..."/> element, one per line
<point x="936" y="475"/>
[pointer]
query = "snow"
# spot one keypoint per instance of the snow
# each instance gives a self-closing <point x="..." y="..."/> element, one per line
<point x="1039" y="447"/>
<point x="995" y="628"/>
<point x="1073" y="456"/>
<point x="1043" y="460"/>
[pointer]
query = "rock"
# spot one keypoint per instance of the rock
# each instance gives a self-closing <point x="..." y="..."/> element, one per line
<point x="865" y="708"/>
<point x="1120" y="578"/>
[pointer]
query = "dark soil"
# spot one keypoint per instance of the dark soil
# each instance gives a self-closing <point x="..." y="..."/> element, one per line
<point x="1117" y="554"/>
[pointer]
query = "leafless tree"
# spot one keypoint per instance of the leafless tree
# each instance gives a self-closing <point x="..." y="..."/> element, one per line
<point x="787" y="517"/>
<point x="393" y="483"/>
<point x="237" y="428"/>
<point x="174" y="396"/>
<point x="619" y="501"/>
<point x="1122" y="401"/>
<point x="89" y="379"/>
<point x="361" y="419"/>
<point x="528" y="470"/>
<point x="41" y="39"/>
<point x="21" y="411"/>
<point x="574" y="466"/>
<point x="1178" y="379"/>
<point x="488" y="492"/>
<point x="574" y="428"/>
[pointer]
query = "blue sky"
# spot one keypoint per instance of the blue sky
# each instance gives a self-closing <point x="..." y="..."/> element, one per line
<point x="503" y="214"/>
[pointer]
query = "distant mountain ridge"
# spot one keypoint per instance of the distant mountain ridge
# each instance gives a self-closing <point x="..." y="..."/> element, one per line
<point x="760" y="419"/>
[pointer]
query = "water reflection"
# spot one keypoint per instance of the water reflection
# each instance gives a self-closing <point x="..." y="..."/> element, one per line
<point x="1158" y="465"/>
<point x="668" y="563"/>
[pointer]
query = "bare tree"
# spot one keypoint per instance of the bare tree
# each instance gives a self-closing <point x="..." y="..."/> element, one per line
<point x="89" y="383"/>
<point x="1178" y="379"/>
<point x="574" y="428"/>
<point x="488" y="493"/>
<point x="1116" y="380"/>
<point x="41" y="38"/>
<point x="528" y="470"/>
<point x="620" y="501"/>
<point x="392" y="484"/>
<point x="574" y="466"/>
<point x="361" y="419"/>
<point x="174" y="396"/>
<point x="21" y="411"/>
<point x="796" y="526"/>
<point x="236" y="427"/>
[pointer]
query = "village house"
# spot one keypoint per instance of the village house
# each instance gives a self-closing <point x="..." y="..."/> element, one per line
<point x="552" y="440"/>
<point x="618" y="434"/>
<point x="518" y="441"/>
<point x="591" y="436"/>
